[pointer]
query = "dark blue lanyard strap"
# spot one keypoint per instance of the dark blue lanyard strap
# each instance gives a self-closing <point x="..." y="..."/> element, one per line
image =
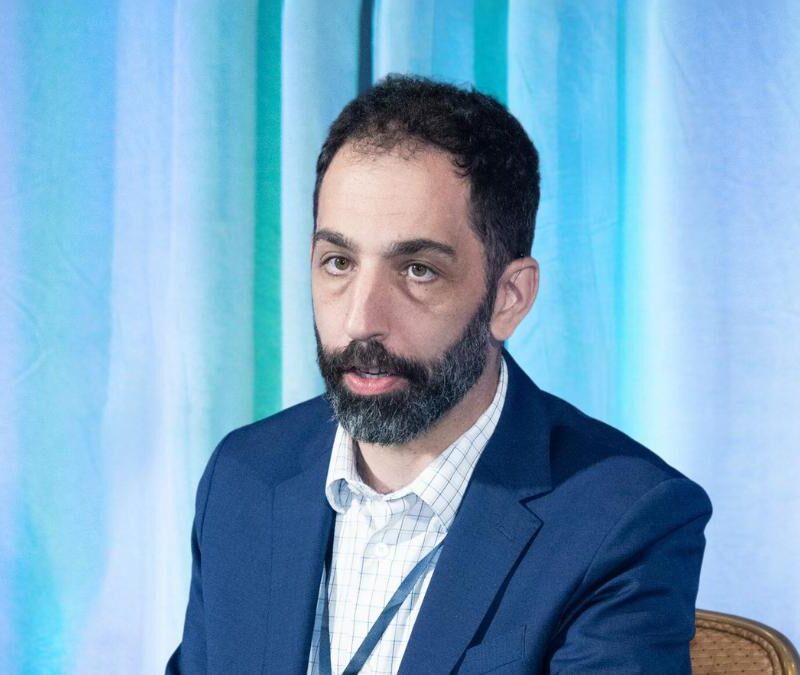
<point x="381" y="623"/>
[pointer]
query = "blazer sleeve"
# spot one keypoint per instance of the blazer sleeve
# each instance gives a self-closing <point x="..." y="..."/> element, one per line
<point x="190" y="656"/>
<point x="634" y="610"/>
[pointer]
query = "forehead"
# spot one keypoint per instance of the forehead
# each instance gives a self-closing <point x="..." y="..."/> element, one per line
<point x="380" y="198"/>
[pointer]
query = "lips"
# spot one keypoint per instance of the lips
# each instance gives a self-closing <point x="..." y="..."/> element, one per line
<point x="372" y="381"/>
<point x="371" y="372"/>
<point x="367" y="368"/>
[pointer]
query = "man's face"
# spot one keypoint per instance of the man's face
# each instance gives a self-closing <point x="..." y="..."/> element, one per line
<point x="398" y="284"/>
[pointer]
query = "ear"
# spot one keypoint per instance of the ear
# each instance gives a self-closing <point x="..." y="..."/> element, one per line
<point x="516" y="291"/>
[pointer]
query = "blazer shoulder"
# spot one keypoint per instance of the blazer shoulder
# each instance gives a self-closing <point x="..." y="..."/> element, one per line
<point x="281" y="444"/>
<point x="589" y="453"/>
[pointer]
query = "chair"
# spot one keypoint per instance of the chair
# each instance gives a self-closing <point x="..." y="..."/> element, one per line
<point x="733" y="645"/>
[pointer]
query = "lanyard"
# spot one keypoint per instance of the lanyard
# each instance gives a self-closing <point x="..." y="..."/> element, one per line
<point x="381" y="623"/>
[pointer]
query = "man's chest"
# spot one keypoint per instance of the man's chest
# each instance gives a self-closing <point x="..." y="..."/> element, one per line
<point x="375" y="549"/>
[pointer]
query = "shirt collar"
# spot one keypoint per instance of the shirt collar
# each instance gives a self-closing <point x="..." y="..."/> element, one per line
<point x="441" y="485"/>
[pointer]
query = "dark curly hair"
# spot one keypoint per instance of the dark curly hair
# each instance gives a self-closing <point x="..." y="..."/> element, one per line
<point x="486" y="143"/>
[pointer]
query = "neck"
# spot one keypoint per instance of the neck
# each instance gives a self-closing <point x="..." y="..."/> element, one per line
<point x="387" y="468"/>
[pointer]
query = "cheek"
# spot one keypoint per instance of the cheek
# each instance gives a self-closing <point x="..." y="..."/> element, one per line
<point x="426" y="334"/>
<point x="328" y="317"/>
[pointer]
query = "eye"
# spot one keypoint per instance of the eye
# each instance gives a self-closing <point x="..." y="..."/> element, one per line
<point x="420" y="272"/>
<point x="336" y="264"/>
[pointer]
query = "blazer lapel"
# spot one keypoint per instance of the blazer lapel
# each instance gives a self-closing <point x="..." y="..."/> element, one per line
<point x="491" y="530"/>
<point x="301" y="524"/>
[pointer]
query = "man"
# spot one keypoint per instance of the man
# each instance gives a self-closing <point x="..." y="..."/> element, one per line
<point x="435" y="512"/>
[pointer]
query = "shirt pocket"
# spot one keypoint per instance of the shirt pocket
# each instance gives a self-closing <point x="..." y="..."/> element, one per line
<point x="500" y="654"/>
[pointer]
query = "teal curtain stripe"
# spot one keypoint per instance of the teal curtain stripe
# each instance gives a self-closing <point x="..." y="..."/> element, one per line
<point x="267" y="366"/>
<point x="365" y="40"/>
<point x="491" y="47"/>
<point x="619" y="405"/>
<point x="40" y="624"/>
<point x="452" y="46"/>
<point x="643" y="110"/>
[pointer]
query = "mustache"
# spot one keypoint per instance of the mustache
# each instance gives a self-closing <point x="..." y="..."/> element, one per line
<point x="372" y="355"/>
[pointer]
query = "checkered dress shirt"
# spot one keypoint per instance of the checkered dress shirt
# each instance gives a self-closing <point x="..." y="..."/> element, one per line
<point x="378" y="538"/>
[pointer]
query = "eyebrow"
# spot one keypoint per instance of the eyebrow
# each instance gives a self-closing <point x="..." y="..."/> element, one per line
<point x="398" y="248"/>
<point x="335" y="238"/>
<point x="413" y="246"/>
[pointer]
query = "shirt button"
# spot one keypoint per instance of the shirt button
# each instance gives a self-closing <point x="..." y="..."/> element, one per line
<point x="381" y="550"/>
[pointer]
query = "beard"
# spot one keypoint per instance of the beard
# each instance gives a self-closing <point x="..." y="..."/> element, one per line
<point x="433" y="387"/>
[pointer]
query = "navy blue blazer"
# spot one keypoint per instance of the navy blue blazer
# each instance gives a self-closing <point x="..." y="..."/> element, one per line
<point x="575" y="550"/>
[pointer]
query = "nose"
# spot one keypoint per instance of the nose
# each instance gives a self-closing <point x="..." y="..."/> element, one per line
<point x="369" y="308"/>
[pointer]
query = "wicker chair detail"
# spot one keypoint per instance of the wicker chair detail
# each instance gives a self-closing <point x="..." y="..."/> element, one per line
<point x="733" y="645"/>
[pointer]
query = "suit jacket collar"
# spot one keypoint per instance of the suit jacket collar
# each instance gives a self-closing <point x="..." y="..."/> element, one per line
<point x="492" y="529"/>
<point x="518" y="453"/>
<point x="302" y="521"/>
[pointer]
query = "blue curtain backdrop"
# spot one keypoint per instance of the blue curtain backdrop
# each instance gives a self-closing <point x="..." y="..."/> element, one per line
<point x="156" y="169"/>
